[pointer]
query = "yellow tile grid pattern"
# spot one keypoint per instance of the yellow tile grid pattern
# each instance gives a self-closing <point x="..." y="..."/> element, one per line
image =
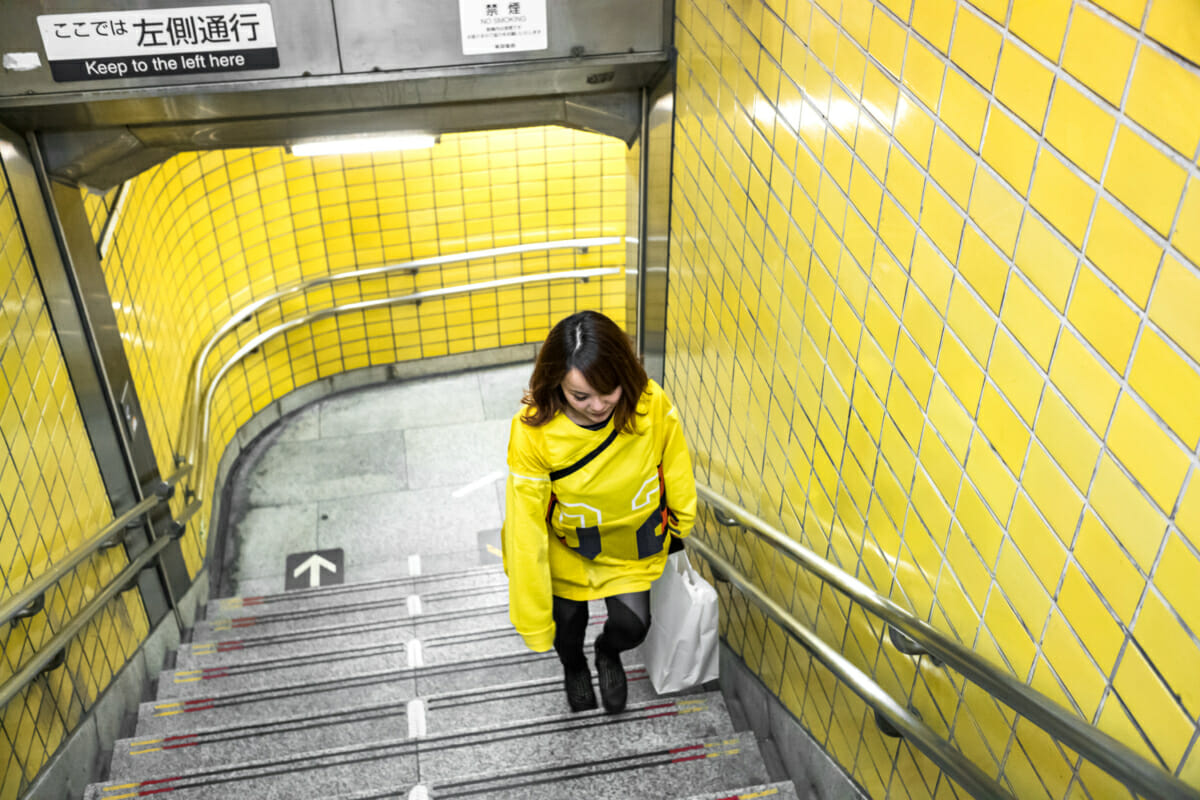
<point x="204" y="234"/>
<point x="52" y="498"/>
<point x="935" y="315"/>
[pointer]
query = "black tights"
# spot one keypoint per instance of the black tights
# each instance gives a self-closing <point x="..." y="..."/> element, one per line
<point x="628" y="622"/>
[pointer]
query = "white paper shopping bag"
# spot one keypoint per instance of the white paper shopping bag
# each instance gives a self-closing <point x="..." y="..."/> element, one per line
<point x="681" y="648"/>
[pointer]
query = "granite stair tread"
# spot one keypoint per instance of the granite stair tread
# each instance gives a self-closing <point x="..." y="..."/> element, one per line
<point x="780" y="790"/>
<point x="484" y="579"/>
<point x="625" y="758"/>
<point x="463" y="602"/>
<point x="454" y="720"/>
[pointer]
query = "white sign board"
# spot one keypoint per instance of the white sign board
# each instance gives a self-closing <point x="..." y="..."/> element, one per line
<point x="162" y="41"/>
<point x="502" y="26"/>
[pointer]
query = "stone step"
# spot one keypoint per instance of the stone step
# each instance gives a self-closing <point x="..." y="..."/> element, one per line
<point x="486" y="600"/>
<point x="440" y="717"/>
<point x="632" y="755"/>
<point x="783" y="790"/>
<point x="457" y="635"/>
<point x="365" y="591"/>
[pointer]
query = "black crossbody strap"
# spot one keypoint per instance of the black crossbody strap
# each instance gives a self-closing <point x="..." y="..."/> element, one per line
<point x="559" y="474"/>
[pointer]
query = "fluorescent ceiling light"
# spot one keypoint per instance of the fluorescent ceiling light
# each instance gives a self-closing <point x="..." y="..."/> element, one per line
<point x="363" y="144"/>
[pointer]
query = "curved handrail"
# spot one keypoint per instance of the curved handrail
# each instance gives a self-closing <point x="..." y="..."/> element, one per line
<point x="48" y="652"/>
<point x="965" y="772"/>
<point x="202" y="416"/>
<point x="31" y="594"/>
<point x="1118" y="760"/>
<point x="187" y="442"/>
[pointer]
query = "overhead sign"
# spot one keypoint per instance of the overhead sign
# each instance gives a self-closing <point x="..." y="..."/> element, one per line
<point x="502" y="26"/>
<point x="312" y="569"/>
<point x="146" y="43"/>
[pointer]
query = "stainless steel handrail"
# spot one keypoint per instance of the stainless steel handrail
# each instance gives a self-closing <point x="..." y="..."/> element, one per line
<point x="27" y="596"/>
<point x="950" y="759"/>
<point x="49" y="651"/>
<point x="1121" y="762"/>
<point x="202" y="430"/>
<point x="186" y="442"/>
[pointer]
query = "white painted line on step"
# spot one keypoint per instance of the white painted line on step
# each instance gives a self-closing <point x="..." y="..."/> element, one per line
<point x="416" y="655"/>
<point x="476" y="485"/>
<point x="419" y="792"/>
<point x="414" y="605"/>
<point x="414" y="565"/>
<point x="416" y="719"/>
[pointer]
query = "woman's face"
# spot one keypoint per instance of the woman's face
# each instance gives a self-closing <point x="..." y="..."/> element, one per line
<point x="585" y="405"/>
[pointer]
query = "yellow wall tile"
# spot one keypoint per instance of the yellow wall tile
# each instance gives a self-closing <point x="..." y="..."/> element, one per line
<point x="1133" y="519"/>
<point x="1164" y="96"/>
<point x="1123" y="251"/>
<point x="1187" y="233"/>
<point x="997" y="210"/>
<point x="1155" y="460"/>
<point x="1110" y="569"/>
<point x="1175" y="578"/>
<point x="934" y="20"/>
<point x="1085" y="382"/>
<point x="1170" y="384"/>
<point x="1030" y="320"/>
<point x="964" y="108"/>
<point x="1069" y="441"/>
<point x="1173" y="306"/>
<point x="1145" y="179"/>
<point x="1152" y="706"/>
<point x="1023" y="84"/>
<point x="1042" y="24"/>
<point x="1083" y="681"/>
<point x="1099" y="53"/>
<point x="1062" y="197"/>
<point x="1174" y="23"/>
<point x="976" y="46"/>
<point x="1010" y="149"/>
<point x="1103" y="318"/>
<point x="1080" y="128"/>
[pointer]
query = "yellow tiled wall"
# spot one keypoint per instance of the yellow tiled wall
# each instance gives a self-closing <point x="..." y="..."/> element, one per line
<point x="52" y="498"/>
<point x="935" y="311"/>
<point x="204" y="234"/>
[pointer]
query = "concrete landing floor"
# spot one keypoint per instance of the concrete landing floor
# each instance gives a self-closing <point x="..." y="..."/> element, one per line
<point x="411" y="467"/>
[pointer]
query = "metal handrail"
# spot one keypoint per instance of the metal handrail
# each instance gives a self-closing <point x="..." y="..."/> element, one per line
<point x="187" y="444"/>
<point x="51" y="650"/>
<point x="29" y="597"/>
<point x="202" y="416"/>
<point x="1142" y="776"/>
<point x="951" y="760"/>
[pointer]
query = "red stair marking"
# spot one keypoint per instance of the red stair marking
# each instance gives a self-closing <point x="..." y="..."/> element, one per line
<point x="199" y="708"/>
<point x="687" y="758"/>
<point x="177" y="746"/>
<point x="227" y="646"/>
<point x="685" y="749"/>
<point x="181" y="736"/>
<point x="220" y="672"/>
<point x="252" y="601"/>
<point x="664" y="714"/>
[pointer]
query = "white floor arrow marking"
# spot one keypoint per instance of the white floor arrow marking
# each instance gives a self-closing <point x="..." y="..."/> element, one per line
<point x="414" y="565"/>
<point x="476" y="485"/>
<point x="416" y="655"/>
<point x="414" y="605"/>
<point x="419" y="792"/>
<point x="416" y="718"/>
<point x="314" y="564"/>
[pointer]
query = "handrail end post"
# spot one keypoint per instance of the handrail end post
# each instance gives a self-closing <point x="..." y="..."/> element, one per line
<point x="164" y="490"/>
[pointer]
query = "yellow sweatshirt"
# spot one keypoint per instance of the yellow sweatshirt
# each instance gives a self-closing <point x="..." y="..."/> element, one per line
<point x="607" y="531"/>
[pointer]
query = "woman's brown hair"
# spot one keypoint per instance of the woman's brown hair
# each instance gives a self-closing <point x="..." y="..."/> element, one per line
<point x="593" y="344"/>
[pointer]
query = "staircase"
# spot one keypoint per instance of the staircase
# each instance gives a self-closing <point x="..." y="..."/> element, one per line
<point x="411" y="687"/>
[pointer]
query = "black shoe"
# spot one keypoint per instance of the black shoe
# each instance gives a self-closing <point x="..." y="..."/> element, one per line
<point x="611" y="674"/>
<point x="580" y="695"/>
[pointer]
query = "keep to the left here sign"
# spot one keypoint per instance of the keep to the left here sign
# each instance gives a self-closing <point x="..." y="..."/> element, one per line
<point x="106" y="45"/>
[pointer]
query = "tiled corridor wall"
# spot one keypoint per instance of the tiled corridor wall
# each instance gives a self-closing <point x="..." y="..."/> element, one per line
<point x="935" y="311"/>
<point x="51" y="498"/>
<point x="204" y="234"/>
